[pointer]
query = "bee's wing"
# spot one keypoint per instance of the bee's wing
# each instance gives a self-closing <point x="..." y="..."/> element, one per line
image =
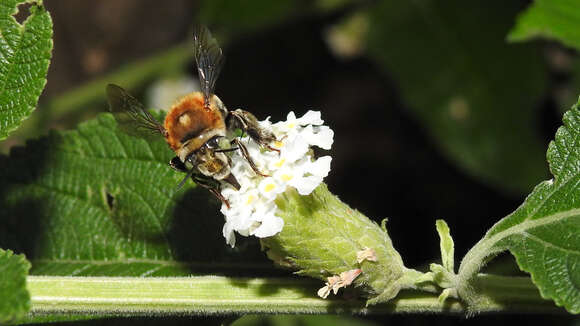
<point x="209" y="59"/>
<point x="131" y="115"/>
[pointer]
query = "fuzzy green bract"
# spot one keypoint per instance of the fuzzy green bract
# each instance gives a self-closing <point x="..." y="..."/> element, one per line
<point x="552" y="19"/>
<point x="96" y="201"/>
<point x="24" y="58"/>
<point x="321" y="238"/>
<point x="15" y="298"/>
<point x="544" y="232"/>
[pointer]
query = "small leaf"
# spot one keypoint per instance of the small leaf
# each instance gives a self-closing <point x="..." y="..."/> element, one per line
<point x="551" y="19"/>
<point x="446" y="245"/>
<point x="24" y="58"/>
<point x="15" y="301"/>
<point x="96" y="201"/>
<point x="544" y="232"/>
<point x="465" y="84"/>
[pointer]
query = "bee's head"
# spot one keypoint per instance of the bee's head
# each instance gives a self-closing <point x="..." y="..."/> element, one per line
<point x="211" y="163"/>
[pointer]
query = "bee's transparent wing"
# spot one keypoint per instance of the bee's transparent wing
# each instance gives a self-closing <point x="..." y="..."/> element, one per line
<point x="209" y="59"/>
<point x="131" y="115"/>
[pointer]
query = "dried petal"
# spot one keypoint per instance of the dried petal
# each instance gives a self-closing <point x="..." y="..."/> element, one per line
<point x="366" y="254"/>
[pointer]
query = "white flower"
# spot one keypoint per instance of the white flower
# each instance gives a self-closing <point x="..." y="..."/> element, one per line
<point x="292" y="124"/>
<point x="252" y="208"/>
<point x="305" y="175"/>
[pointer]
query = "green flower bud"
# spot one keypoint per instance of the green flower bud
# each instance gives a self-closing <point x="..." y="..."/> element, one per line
<point x="323" y="237"/>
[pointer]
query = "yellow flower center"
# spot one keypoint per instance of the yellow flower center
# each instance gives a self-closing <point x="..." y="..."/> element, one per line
<point x="269" y="187"/>
<point x="250" y="199"/>
<point x="280" y="163"/>
<point x="287" y="177"/>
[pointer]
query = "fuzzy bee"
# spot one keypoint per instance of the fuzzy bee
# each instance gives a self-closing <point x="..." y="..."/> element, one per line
<point x="198" y="127"/>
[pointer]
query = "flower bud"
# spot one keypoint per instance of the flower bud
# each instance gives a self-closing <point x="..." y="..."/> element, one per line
<point x="323" y="237"/>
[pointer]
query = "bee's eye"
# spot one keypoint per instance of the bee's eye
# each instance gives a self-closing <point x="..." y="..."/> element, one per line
<point x="213" y="143"/>
<point x="191" y="159"/>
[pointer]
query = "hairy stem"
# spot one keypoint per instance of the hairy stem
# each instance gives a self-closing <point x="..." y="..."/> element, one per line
<point x="96" y="297"/>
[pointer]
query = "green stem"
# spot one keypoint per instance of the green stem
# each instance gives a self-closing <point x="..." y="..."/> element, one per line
<point x="96" y="297"/>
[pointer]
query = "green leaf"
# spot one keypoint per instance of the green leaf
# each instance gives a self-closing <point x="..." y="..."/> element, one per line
<point x="446" y="245"/>
<point x="24" y="58"/>
<point x="551" y="19"/>
<point x="544" y="232"/>
<point x="95" y="201"/>
<point x="466" y="86"/>
<point x="15" y="301"/>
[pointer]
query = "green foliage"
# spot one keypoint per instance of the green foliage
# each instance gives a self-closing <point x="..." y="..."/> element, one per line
<point x="24" y="57"/>
<point x="15" y="298"/>
<point x="446" y="245"/>
<point x="246" y="15"/>
<point x="551" y="19"/>
<point x="465" y="85"/>
<point x="95" y="201"/>
<point x="544" y="232"/>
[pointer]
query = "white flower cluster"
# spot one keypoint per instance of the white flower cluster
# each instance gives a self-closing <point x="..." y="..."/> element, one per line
<point x="252" y="208"/>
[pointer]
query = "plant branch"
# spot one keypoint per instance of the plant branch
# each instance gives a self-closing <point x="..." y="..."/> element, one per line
<point x="97" y="297"/>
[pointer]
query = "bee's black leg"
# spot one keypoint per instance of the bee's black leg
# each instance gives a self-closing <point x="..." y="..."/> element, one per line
<point x="177" y="165"/>
<point x="246" y="155"/>
<point x="211" y="185"/>
<point x="273" y="149"/>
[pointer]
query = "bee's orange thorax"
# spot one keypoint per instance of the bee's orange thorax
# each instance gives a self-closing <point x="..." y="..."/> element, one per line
<point x="189" y="122"/>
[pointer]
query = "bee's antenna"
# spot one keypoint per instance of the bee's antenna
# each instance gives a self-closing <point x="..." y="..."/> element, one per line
<point x="187" y="176"/>
<point x="225" y="150"/>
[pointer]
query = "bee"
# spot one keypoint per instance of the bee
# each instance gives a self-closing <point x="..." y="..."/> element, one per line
<point x="198" y="127"/>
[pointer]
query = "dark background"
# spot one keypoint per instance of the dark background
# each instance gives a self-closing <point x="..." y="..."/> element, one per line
<point x="386" y="163"/>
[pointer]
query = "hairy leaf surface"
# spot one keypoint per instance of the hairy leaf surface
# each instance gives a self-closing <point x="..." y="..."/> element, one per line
<point x="96" y="201"/>
<point x="544" y="232"/>
<point x="15" y="300"/>
<point x="24" y="58"/>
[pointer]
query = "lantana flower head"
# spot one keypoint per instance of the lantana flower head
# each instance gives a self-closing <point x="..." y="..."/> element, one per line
<point x="252" y="208"/>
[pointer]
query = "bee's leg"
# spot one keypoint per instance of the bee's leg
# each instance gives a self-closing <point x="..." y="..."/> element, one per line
<point x="248" y="123"/>
<point x="219" y="196"/>
<point x="247" y="156"/>
<point x="210" y="184"/>
<point x="177" y="165"/>
<point x="273" y="149"/>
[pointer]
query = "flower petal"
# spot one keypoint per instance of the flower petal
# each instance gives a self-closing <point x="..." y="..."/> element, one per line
<point x="270" y="225"/>
<point x="311" y="118"/>
<point x="321" y="136"/>
<point x="306" y="185"/>
<point x="320" y="167"/>
<point x="228" y="232"/>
